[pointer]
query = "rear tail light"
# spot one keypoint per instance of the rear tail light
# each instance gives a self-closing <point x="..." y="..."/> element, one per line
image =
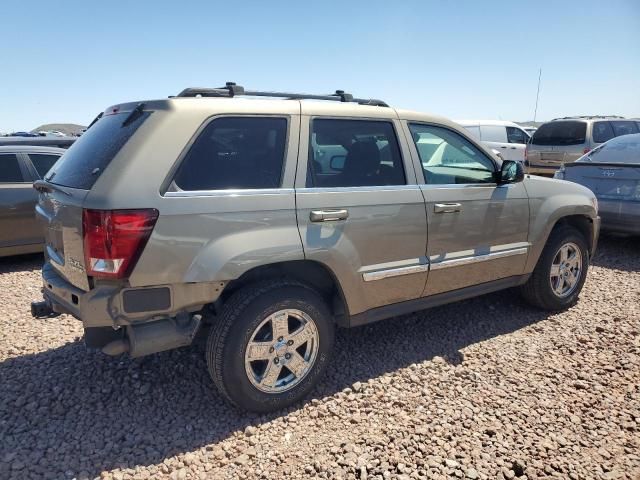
<point x="585" y="151"/>
<point x="114" y="239"/>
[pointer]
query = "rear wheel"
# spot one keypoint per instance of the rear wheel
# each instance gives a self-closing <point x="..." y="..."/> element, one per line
<point x="270" y="346"/>
<point x="561" y="271"/>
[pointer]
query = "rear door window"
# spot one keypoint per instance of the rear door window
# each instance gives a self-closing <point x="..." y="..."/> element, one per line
<point x="91" y="154"/>
<point x="624" y="128"/>
<point x="43" y="162"/>
<point x="235" y="153"/>
<point x="354" y="153"/>
<point x="560" y="134"/>
<point x="493" y="133"/>
<point x="10" y="171"/>
<point x="602" y="132"/>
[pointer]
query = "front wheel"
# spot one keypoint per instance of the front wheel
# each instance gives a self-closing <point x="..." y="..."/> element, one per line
<point x="561" y="271"/>
<point x="271" y="345"/>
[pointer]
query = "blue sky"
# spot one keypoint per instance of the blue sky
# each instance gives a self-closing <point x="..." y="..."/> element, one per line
<point x="66" y="61"/>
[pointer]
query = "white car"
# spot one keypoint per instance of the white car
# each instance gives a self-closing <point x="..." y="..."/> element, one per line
<point x="508" y="138"/>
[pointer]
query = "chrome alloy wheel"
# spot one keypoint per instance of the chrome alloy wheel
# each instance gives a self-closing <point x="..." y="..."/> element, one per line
<point x="566" y="270"/>
<point x="281" y="351"/>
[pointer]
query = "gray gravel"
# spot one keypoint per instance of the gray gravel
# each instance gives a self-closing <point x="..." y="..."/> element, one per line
<point x="483" y="389"/>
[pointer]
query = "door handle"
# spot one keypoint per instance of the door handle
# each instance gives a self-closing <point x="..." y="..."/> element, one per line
<point x="328" y="215"/>
<point x="447" y="207"/>
<point x="502" y="146"/>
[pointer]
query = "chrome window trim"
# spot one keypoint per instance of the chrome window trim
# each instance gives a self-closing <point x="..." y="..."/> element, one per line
<point x="230" y="193"/>
<point x="376" y="188"/>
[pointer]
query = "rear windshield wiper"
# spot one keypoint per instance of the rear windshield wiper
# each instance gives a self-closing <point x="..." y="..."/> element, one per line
<point x="135" y="114"/>
<point x="42" y="186"/>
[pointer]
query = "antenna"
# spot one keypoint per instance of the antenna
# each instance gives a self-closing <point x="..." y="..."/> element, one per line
<point x="535" y="112"/>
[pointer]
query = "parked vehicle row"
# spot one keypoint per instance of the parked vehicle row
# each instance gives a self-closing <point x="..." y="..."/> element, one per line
<point x="278" y="220"/>
<point x="508" y="138"/>
<point x="612" y="172"/>
<point x="564" y="140"/>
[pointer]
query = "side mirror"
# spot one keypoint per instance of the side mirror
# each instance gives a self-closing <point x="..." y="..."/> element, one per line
<point x="510" y="172"/>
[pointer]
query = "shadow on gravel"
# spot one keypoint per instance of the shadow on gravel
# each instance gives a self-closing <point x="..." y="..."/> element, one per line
<point x="618" y="253"/>
<point x="21" y="263"/>
<point x="71" y="412"/>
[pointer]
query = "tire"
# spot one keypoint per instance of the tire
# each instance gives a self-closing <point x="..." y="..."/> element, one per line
<point x="247" y="317"/>
<point x="539" y="290"/>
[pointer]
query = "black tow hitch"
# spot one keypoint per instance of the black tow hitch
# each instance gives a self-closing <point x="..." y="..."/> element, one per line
<point x="42" y="310"/>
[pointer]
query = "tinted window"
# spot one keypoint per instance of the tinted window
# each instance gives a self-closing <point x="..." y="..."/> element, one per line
<point x="560" y="133"/>
<point x="354" y="153"/>
<point x="493" y="133"/>
<point x="235" y="152"/>
<point x="624" y="128"/>
<point x="10" y="169"/>
<point x="43" y="162"/>
<point x="515" y="135"/>
<point x="624" y="149"/>
<point x="448" y="158"/>
<point x="90" y="155"/>
<point x="602" y="132"/>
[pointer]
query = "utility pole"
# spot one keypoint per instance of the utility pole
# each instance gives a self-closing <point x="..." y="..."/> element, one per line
<point x="535" y="112"/>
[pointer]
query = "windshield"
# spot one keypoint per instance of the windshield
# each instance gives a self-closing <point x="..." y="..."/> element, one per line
<point x="625" y="149"/>
<point x="88" y="157"/>
<point x="560" y="133"/>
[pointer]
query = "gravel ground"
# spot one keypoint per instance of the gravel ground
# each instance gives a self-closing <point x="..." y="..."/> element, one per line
<point x="487" y="388"/>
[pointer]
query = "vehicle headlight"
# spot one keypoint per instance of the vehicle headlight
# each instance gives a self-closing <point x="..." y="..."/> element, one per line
<point x="594" y="202"/>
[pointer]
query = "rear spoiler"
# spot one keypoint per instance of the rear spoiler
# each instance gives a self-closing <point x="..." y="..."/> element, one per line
<point x="601" y="164"/>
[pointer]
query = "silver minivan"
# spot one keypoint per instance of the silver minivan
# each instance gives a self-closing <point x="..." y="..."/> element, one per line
<point x="564" y="140"/>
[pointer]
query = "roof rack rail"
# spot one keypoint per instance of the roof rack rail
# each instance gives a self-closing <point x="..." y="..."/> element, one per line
<point x="231" y="90"/>
<point x="587" y="117"/>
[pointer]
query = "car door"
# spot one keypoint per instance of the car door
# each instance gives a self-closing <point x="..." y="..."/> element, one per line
<point x="17" y="203"/>
<point x="495" y="137"/>
<point x="518" y="140"/>
<point x="477" y="229"/>
<point x="364" y="218"/>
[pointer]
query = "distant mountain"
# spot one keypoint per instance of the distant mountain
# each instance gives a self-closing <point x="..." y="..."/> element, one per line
<point x="68" y="128"/>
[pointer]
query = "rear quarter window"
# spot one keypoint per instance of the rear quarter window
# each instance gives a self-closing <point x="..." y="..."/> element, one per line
<point x="91" y="154"/>
<point x="624" y="128"/>
<point x="235" y="153"/>
<point x="560" y="134"/>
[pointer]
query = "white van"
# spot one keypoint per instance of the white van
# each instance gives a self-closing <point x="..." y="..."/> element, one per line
<point x="508" y="138"/>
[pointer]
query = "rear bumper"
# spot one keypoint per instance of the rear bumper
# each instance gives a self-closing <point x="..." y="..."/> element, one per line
<point x="620" y="216"/>
<point x="544" y="170"/>
<point x="114" y="306"/>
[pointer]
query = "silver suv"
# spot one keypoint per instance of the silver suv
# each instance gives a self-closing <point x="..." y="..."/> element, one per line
<point x="564" y="140"/>
<point x="275" y="221"/>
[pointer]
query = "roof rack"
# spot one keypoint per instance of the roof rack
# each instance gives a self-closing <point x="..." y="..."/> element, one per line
<point x="231" y="90"/>
<point x="587" y="117"/>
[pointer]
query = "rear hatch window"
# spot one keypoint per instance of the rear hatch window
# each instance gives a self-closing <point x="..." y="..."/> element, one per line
<point x="91" y="154"/>
<point x="560" y="134"/>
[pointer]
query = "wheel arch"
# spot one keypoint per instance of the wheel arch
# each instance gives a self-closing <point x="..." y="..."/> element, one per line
<point x="309" y="272"/>
<point x="584" y="223"/>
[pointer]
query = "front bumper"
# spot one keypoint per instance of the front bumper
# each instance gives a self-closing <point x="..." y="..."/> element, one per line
<point x="110" y="305"/>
